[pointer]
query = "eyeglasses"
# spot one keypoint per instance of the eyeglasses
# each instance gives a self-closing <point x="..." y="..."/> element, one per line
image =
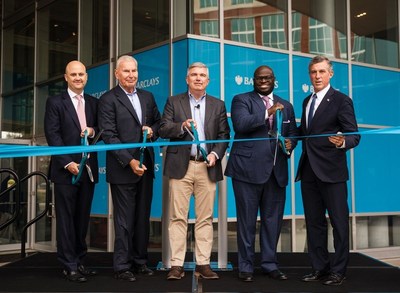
<point x="262" y="78"/>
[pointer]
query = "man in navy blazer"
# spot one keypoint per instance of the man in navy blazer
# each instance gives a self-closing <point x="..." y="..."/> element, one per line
<point x="259" y="171"/>
<point x="323" y="172"/>
<point x="125" y="113"/>
<point x="72" y="201"/>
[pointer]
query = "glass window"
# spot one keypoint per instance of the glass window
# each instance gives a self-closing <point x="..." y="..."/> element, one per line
<point x="262" y="23"/>
<point x="17" y="115"/>
<point x="236" y="2"/>
<point x="375" y="32"/>
<point x="57" y="37"/>
<point x="319" y="27"/>
<point x="43" y="92"/>
<point x="95" y="31"/>
<point x="142" y="24"/>
<point x="208" y="3"/>
<point x="18" y="65"/>
<point x="205" y="18"/>
<point x="209" y="28"/>
<point x="243" y="30"/>
<point x="273" y="32"/>
<point x="10" y="6"/>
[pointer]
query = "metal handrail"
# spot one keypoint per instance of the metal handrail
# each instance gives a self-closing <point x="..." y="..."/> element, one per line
<point x="15" y="186"/>
<point x="41" y="215"/>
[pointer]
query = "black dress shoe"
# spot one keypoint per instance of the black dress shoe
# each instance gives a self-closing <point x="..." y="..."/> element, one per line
<point x="86" y="271"/>
<point x="143" y="270"/>
<point x="334" y="280"/>
<point x="74" y="276"/>
<point x="246" y="277"/>
<point x="125" y="276"/>
<point x="277" y="275"/>
<point x="314" y="276"/>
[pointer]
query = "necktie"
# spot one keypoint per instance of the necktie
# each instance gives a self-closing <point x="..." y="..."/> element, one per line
<point x="80" y="110"/>
<point x="311" y="110"/>
<point x="268" y="105"/>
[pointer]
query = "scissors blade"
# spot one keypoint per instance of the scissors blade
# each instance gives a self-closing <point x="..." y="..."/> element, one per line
<point x="96" y="138"/>
<point x="190" y="133"/>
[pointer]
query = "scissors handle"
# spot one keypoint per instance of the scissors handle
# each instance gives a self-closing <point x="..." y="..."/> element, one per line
<point x="82" y="164"/>
<point x="142" y="148"/>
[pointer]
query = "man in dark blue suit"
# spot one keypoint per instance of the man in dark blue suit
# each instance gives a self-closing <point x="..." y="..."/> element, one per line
<point x="259" y="171"/>
<point x="63" y="127"/>
<point x="323" y="172"/>
<point x="125" y="112"/>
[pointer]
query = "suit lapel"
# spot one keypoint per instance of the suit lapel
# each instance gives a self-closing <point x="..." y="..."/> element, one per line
<point x="123" y="98"/>
<point x="69" y="106"/>
<point x="323" y="106"/>
<point x="185" y="104"/>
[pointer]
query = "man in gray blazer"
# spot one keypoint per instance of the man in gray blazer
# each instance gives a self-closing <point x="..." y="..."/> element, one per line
<point x="193" y="169"/>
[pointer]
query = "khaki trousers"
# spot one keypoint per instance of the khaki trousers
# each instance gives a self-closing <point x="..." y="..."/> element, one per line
<point x="195" y="182"/>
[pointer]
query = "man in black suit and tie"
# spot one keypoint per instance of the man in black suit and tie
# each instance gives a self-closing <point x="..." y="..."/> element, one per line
<point x="323" y="172"/>
<point x="65" y="125"/>
<point x="125" y="113"/>
<point x="192" y="171"/>
<point x="259" y="171"/>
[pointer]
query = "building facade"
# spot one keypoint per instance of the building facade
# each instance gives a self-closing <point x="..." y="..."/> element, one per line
<point x="233" y="37"/>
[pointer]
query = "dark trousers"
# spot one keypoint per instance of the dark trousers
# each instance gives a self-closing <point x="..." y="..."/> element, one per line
<point x="132" y="205"/>
<point x="73" y="204"/>
<point x="319" y="197"/>
<point x="268" y="198"/>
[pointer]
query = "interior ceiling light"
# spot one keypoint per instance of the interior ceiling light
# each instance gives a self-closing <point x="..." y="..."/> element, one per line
<point x="361" y="14"/>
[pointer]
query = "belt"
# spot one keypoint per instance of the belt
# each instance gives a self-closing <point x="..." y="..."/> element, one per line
<point x="198" y="159"/>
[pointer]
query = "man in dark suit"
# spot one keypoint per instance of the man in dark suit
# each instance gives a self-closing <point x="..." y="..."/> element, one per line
<point x="64" y="126"/>
<point x="259" y="171"/>
<point x="190" y="171"/>
<point x="323" y="172"/>
<point x="125" y="112"/>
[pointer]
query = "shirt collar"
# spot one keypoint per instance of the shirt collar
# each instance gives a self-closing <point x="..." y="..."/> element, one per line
<point x="321" y="94"/>
<point x="133" y="93"/>
<point x="73" y="94"/>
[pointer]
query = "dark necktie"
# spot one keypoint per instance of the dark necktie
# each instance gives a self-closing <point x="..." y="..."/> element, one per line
<point x="311" y="110"/>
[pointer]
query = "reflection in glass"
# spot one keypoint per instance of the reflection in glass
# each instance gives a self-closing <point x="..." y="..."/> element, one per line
<point x="18" y="66"/>
<point x="57" y="37"/>
<point x="257" y="22"/>
<point x="319" y="27"/>
<point x="17" y="115"/>
<point x="375" y="32"/>
<point x="95" y="31"/>
<point x="43" y="93"/>
<point x="142" y="23"/>
<point x="11" y="6"/>
<point x="206" y="18"/>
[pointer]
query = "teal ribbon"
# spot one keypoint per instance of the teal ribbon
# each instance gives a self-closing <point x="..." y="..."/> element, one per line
<point x="280" y="139"/>
<point x="143" y="148"/>
<point x="196" y="140"/>
<point x="82" y="164"/>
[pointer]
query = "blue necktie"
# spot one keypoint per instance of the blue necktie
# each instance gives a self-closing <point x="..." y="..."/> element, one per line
<point x="311" y="110"/>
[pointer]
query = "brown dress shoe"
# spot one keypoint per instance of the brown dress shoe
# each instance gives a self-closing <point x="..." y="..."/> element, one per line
<point x="205" y="272"/>
<point x="175" y="273"/>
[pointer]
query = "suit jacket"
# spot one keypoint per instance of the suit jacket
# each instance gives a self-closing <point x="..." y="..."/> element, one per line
<point x="120" y="124"/>
<point x="253" y="161"/>
<point x="334" y="114"/>
<point x="62" y="128"/>
<point x="177" y="110"/>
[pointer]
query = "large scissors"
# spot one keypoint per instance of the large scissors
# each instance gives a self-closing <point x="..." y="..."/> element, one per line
<point x="142" y="148"/>
<point x="278" y="135"/>
<point x="85" y="156"/>
<point x="195" y="138"/>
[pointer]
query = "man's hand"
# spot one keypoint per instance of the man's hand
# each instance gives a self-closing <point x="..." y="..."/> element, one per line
<point x="337" y="140"/>
<point x="277" y="106"/>
<point x="134" y="164"/>
<point x="73" y="168"/>
<point x="187" y="124"/>
<point x="90" y="132"/>
<point x="149" y="131"/>
<point x="211" y="160"/>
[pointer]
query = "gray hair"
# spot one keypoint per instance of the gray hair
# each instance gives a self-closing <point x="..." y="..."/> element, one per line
<point x="197" y="64"/>
<point x="125" y="58"/>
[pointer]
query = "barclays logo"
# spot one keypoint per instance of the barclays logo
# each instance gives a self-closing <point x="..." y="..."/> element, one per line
<point x="245" y="80"/>
<point x="148" y="82"/>
<point x="306" y="88"/>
